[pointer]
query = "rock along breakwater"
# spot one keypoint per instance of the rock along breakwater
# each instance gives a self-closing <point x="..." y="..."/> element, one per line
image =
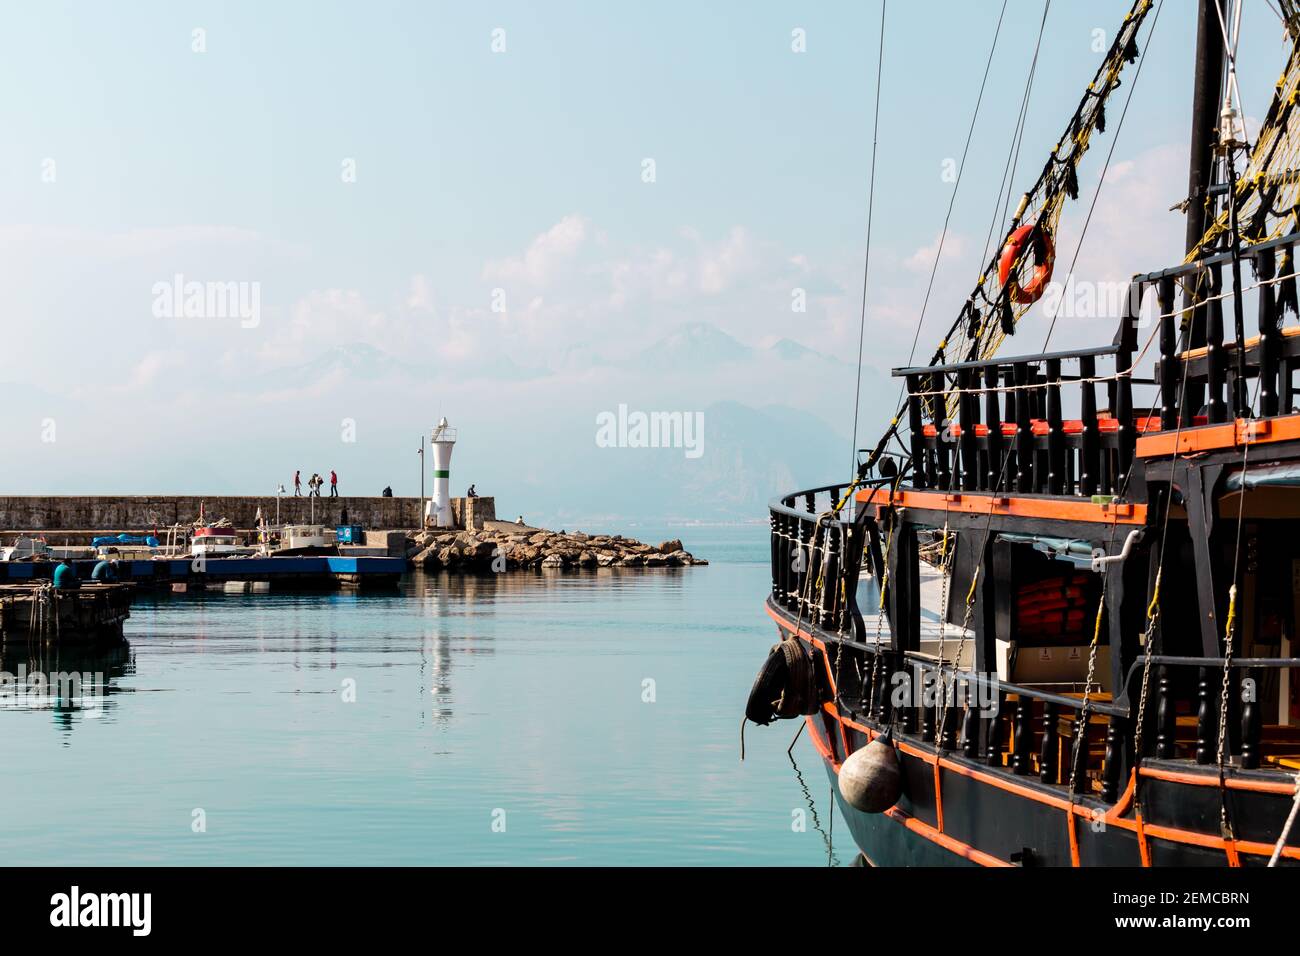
<point x="506" y="548"/>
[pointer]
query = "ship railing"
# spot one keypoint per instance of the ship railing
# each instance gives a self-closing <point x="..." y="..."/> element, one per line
<point x="1057" y="423"/>
<point x="1068" y="422"/>
<point x="1192" y="688"/>
<point x="1029" y="730"/>
<point x="1220" y="356"/>
<point x="816" y="545"/>
<point x="1025" y="730"/>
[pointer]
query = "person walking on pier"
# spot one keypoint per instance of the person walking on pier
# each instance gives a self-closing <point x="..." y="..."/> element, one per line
<point x="297" y="484"/>
<point x="334" y="484"/>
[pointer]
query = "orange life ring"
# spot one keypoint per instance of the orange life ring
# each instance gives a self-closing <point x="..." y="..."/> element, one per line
<point x="1032" y="290"/>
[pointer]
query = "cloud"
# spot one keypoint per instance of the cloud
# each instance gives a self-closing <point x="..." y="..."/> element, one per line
<point x="419" y="298"/>
<point x="721" y="263"/>
<point x="922" y="260"/>
<point x="545" y="255"/>
<point x="146" y="372"/>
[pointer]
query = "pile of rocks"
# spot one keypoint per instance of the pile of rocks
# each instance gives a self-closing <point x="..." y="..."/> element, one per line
<point x="499" y="550"/>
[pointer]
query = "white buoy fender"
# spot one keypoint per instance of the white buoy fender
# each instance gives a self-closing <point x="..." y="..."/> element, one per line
<point x="870" y="779"/>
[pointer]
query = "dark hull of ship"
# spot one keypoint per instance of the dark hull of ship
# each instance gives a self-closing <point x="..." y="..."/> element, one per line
<point x="960" y="811"/>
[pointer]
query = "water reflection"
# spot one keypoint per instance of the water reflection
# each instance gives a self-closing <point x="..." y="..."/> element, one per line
<point x="70" y="682"/>
<point x="831" y="858"/>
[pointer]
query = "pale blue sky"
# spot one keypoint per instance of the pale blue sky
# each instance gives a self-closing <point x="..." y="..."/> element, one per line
<point x="225" y="166"/>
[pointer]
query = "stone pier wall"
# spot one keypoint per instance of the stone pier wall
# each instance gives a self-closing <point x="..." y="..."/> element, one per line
<point x="137" y="513"/>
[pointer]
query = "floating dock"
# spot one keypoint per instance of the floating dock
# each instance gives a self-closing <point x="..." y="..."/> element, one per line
<point x="90" y="614"/>
<point x="306" y="572"/>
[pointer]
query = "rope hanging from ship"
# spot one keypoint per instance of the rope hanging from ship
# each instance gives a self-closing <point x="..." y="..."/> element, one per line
<point x="1008" y="286"/>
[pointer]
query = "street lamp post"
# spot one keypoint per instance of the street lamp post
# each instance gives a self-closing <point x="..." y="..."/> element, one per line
<point x="422" y="474"/>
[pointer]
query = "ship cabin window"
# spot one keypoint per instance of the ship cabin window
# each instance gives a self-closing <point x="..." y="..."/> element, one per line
<point x="1045" y="602"/>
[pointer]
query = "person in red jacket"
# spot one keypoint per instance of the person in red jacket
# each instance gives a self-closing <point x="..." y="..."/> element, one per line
<point x="334" y="484"/>
<point x="297" y="484"/>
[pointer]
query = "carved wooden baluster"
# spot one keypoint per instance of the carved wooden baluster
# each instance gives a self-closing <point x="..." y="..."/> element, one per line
<point x="883" y="706"/>
<point x="993" y="419"/>
<point x="774" y="547"/>
<point x="916" y="425"/>
<point x="1169" y="377"/>
<point x="908" y="713"/>
<point x="927" y="715"/>
<point x="1022" y="761"/>
<point x="1055" y="430"/>
<point x="942" y="446"/>
<point x="1089" y="440"/>
<point x="967" y="412"/>
<point x="970" y="729"/>
<point x="1215" y="360"/>
<point x="948" y="732"/>
<point x="1250" y="729"/>
<point x="993" y="737"/>
<point x="1047" y="750"/>
<point x="1116" y="730"/>
<point x="1269" y="335"/>
<point x="1024" y="435"/>
<point x="1205" y="717"/>
<point x="1010" y="472"/>
<point x="831" y="534"/>
<point x="1125" y="437"/>
<point x="1166" y="716"/>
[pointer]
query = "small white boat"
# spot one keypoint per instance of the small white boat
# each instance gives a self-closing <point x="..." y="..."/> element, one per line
<point x="305" y="539"/>
<point x="26" y="549"/>
<point x="210" y="543"/>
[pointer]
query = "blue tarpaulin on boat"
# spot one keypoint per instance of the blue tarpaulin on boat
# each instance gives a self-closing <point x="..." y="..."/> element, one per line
<point x="107" y="540"/>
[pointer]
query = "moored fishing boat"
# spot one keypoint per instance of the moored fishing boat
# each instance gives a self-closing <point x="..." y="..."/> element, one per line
<point x="1079" y="638"/>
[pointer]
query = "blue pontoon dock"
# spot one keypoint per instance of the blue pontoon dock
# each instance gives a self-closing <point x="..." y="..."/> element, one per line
<point x="283" y="572"/>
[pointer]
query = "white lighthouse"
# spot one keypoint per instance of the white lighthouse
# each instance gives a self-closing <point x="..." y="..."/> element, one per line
<point x="439" y="507"/>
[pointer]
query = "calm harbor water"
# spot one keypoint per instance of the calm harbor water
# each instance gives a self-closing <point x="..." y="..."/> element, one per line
<point x="497" y="719"/>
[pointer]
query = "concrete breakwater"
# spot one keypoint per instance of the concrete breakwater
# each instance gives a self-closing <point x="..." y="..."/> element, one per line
<point x="136" y="513"/>
<point x="500" y="546"/>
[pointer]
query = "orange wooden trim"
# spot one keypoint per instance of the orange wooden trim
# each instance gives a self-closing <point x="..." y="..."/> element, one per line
<point x="948" y="843"/>
<point x="1070" y="509"/>
<point x="1070" y="825"/>
<point x="1144" y="850"/>
<point x="1112" y="818"/>
<point x="1124" y="801"/>
<point x="938" y="798"/>
<point x="1205" y="780"/>
<point x="1259" y="431"/>
<point x="1230" y="847"/>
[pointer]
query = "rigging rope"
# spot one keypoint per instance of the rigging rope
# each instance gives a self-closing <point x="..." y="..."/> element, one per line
<point x="1101" y="181"/>
<point x="866" y="259"/>
<point x="988" y="316"/>
<point x="952" y="200"/>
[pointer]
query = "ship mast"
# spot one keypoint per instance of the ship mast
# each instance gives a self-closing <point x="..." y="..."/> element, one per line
<point x="1207" y="87"/>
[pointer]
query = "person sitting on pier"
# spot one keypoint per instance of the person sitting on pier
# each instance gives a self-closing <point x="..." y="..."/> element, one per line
<point x="65" y="576"/>
<point x="388" y="491"/>
<point x="471" y="493"/>
<point x="334" y="484"/>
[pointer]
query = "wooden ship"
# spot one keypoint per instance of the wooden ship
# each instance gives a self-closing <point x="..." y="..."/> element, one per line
<point x="1052" y="618"/>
